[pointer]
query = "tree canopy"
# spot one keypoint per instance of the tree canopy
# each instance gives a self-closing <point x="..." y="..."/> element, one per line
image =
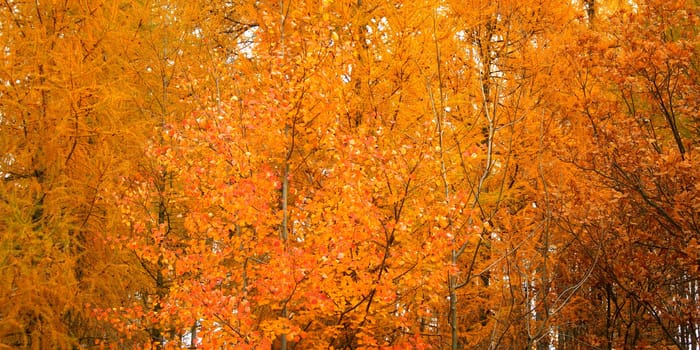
<point x="341" y="174"/>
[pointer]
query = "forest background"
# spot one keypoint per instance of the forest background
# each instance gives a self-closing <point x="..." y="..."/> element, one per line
<point x="482" y="174"/>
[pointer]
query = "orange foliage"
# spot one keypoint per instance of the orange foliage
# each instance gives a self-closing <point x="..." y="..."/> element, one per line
<point x="350" y="174"/>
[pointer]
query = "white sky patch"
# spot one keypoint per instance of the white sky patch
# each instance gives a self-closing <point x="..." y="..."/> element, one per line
<point x="347" y="77"/>
<point x="633" y="5"/>
<point x="475" y="56"/>
<point x="383" y="24"/>
<point x="533" y="42"/>
<point x="246" y="44"/>
<point x="461" y="35"/>
<point x="197" y="32"/>
<point x="8" y="160"/>
<point x="187" y="336"/>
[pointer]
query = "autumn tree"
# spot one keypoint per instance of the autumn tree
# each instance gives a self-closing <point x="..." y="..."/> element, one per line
<point x="631" y="124"/>
<point x="60" y="130"/>
<point x="180" y="63"/>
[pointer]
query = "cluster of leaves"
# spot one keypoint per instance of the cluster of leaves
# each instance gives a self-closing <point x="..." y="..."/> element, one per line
<point x="349" y="174"/>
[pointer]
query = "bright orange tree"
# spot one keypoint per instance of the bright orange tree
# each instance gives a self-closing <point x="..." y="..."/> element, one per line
<point x="282" y="242"/>
<point x="347" y="191"/>
<point x="178" y="65"/>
